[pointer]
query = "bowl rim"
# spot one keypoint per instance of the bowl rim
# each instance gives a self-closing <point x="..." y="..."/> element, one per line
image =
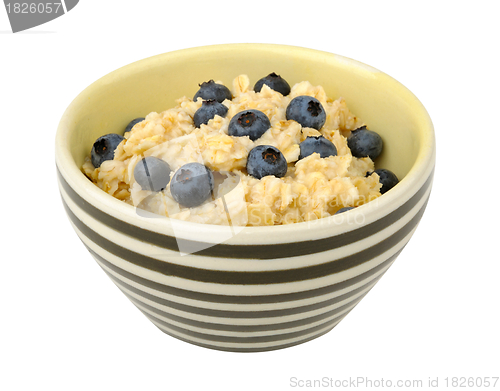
<point x="422" y="168"/>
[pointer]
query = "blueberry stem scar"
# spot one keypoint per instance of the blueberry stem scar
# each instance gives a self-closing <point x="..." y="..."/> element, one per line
<point x="246" y="119"/>
<point x="314" y="108"/>
<point x="269" y="156"/>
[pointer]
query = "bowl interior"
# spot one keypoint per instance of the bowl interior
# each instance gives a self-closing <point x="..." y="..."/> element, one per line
<point x="155" y="83"/>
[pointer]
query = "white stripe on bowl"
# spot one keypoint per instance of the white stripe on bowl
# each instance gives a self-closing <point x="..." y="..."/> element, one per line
<point x="230" y="264"/>
<point x="229" y="345"/>
<point x="244" y="334"/>
<point x="237" y="289"/>
<point x="244" y="307"/>
<point x="244" y="321"/>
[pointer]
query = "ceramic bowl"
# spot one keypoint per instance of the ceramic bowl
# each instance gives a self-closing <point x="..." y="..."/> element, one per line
<point x="262" y="288"/>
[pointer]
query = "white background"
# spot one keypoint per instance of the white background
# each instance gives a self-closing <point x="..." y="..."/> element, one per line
<point x="65" y="326"/>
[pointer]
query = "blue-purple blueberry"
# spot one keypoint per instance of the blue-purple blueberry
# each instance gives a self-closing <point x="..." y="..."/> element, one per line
<point x="208" y="110"/>
<point x="192" y="185"/>
<point x="387" y="178"/>
<point x="274" y="82"/>
<point x="344" y="209"/>
<point x="251" y="123"/>
<point x="365" y="143"/>
<point x="264" y="160"/>
<point x="104" y="148"/>
<point x="152" y="173"/>
<point x="210" y="90"/>
<point x="317" y="144"/>
<point x="307" y="111"/>
<point x="132" y="123"/>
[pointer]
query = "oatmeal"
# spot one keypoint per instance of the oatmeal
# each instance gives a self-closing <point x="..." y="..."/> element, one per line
<point x="309" y="187"/>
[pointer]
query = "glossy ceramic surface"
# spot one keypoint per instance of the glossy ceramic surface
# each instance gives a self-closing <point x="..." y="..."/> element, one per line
<point x="262" y="288"/>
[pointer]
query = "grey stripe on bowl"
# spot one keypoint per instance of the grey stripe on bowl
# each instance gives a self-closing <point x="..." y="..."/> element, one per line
<point x="241" y="299"/>
<point x="232" y="327"/>
<point x="241" y="345"/>
<point x="239" y="331"/>
<point x="241" y="313"/>
<point x="249" y="339"/>
<point x="255" y="318"/>
<point x="230" y="277"/>
<point x="266" y="289"/>
<point x="230" y="302"/>
<point x="242" y="348"/>
<point x="233" y="264"/>
<point x="246" y="251"/>
<point x="274" y="330"/>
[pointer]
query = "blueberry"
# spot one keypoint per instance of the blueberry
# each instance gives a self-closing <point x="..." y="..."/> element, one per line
<point x="365" y="143"/>
<point x="318" y="144"/>
<point x="192" y="184"/>
<point x="307" y="111"/>
<point x="104" y="148"/>
<point x="274" y="82"/>
<point x="251" y="123"/>
<point x="212" y="90"/>
<point x="345" y="209"/>
<point x="387" y="178"/>
<point x="266" y="160"/>
<point x="208" y="110"/>
<point x="152" y="173"/>
<point x="132" y="123"/>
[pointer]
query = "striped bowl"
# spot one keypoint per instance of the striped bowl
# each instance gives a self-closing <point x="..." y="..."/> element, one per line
<point x="257" y="288"/>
